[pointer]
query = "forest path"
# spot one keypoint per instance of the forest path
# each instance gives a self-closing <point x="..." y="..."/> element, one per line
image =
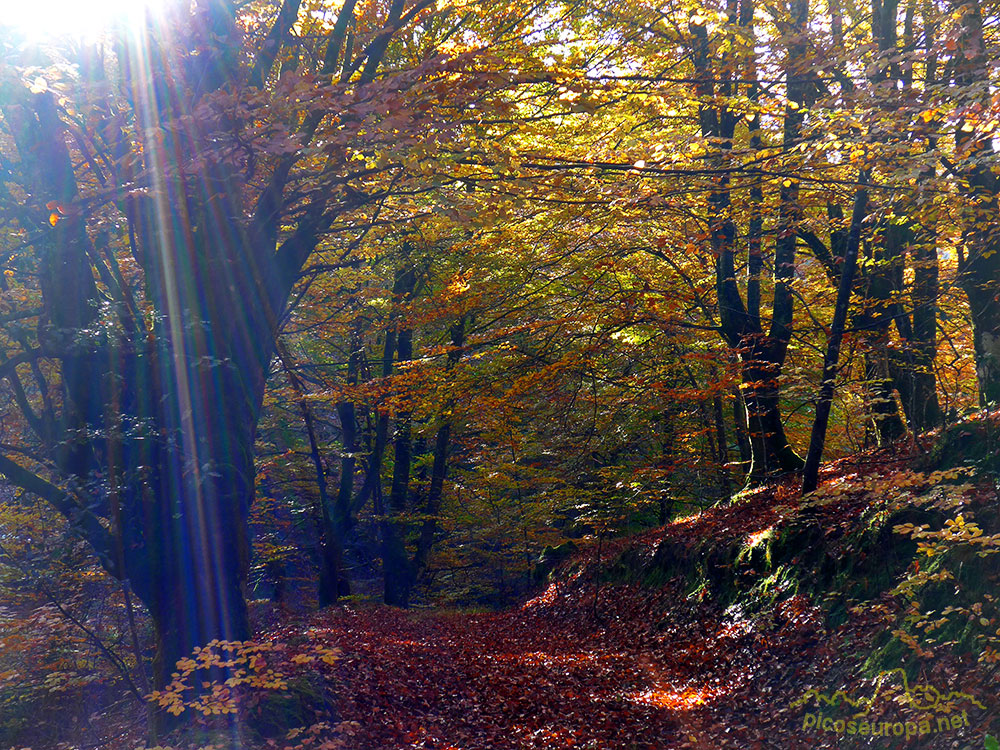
<point x="549" y="675"/>
<point x="648" y="667"/>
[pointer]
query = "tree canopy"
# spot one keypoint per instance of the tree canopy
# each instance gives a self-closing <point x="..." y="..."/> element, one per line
<point x="327" y="299"/>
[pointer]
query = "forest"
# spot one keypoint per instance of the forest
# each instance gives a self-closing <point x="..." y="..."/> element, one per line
<point x="398" y="374"/>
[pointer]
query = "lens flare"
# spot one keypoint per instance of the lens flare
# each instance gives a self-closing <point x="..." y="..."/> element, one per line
<point x="75" y="18"/>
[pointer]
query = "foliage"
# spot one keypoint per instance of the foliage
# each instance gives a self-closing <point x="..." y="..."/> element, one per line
<point x="325" y="301"/>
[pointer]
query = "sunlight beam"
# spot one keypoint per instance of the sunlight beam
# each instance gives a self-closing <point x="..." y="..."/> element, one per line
<point x="85" y="19"/>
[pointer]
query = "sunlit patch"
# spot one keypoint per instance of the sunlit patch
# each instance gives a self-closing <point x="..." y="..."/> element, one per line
<point x="77" y="18"/>
<point x="543" y="659"/>
<point x="736" y="624"/>
<point x="757" y="537"/>
<point x="684" y="700"/>
<point x="551" y="594"/>
<point x="687" y="520"/>
<point x="546" y="598"/>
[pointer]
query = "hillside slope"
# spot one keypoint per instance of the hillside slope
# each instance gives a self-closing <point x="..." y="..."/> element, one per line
<point x="864" y="615"/>
<point x="735" y="627"/>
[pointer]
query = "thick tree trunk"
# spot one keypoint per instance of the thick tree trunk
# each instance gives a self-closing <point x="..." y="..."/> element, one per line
<point x="979" y="267"/>
<point x="770" y="452"/>
<point x="198" y="578"/>
<point x="186" y="479"/>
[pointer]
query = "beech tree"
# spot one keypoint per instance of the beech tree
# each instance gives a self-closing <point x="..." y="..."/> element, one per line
<point x="168" y="193"/>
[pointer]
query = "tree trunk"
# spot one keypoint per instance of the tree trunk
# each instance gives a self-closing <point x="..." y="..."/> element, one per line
<point x="817" y="439"/>
<point x="439" y="469"/>
<point x="880" y="282"/>
<point x="740" y="423"/>
<point x="396" y="569"/>
<point x="979" y="269"/>
<point x="198" y="578"/>
<point x="925" y="411"/>
<point x="880" y="389"/>
<point x="770" y="452"/>
<point x="330" y="545"/>
<point x="398" y="572"/>
<point x="761" y="354"/>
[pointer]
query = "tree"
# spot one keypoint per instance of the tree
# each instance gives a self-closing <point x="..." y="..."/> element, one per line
<point x="975" y="155"/>
<point x="167" y="227"/>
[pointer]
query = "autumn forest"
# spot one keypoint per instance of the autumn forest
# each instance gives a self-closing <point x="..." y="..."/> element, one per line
<point x="468" y="375"/>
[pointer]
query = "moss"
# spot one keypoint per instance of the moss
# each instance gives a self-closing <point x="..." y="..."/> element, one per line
<point x="798" y="557"/>
<point x="966" y="444"/>
<point x="843" y="566"/>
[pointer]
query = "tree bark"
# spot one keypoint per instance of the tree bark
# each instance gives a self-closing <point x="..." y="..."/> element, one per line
<point x="396" y="569"/>
<point x="979" y="269"/>
<point x="761" y="355"/>
<point x="817" y="439"/>
<point x="159" y="414"/>
<point x="439" y="469"/>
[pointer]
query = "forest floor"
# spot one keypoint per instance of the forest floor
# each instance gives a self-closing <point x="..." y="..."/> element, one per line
<point x="552" y="675"/>
<point x="610" y="657"/>
<point x="612" y="665"/>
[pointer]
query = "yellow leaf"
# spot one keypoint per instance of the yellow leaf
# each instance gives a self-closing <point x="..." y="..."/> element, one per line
<point x="53" y="218"/>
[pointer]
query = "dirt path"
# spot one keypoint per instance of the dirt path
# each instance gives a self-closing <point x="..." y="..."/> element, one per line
<point x="656" y="668"/>
<point x="549" y="676"/>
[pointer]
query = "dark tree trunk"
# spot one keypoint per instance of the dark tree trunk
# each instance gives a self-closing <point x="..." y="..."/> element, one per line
<point x="395" y="559"/>
<point x="770" y="452"/>
<point x="330" y="545"/>
<point x="979" y="266"/>
<point x="817" y="439"/>
<point x="198" y="572"/>
<point x="880" y="389"/>
<point x="880" y="282"/>
<point x="719" y="417"/>
<point x="402" y="288"/>
<point x="397" y="572"/>
<point x="924" y="410"/>
<point x="761" y="355"/>
<point x="740" y="422"/>
<point x="907" y="369"/>
<point x="439" y="469"/>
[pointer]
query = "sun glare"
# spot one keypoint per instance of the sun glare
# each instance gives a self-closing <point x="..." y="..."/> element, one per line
<point x="78" y="18"/>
